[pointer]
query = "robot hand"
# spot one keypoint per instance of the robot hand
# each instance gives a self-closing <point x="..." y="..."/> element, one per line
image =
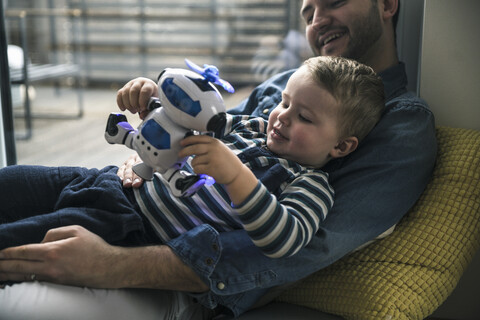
<point x="117" y="129"/>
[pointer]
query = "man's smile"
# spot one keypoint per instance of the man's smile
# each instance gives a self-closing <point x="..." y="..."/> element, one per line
<point x="329" y="39"/>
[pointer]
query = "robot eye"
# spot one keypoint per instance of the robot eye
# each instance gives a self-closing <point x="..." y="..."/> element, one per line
<point x="180" y="99"/>
<point x="202" y="84"/>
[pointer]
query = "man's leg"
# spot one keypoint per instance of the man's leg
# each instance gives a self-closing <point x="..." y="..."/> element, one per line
<point x="46" y="301"/>
<point x="35" y="199"/>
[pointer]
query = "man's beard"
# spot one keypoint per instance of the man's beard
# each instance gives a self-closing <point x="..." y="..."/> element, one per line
<point x="367" y="31"/>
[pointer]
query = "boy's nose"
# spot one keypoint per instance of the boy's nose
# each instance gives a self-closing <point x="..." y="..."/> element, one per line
<point x="284" y="117"/>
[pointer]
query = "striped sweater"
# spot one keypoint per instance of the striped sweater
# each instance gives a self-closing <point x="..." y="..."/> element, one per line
<point x="281" y="215"/>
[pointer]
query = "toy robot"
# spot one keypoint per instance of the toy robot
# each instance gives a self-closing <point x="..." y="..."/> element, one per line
<point x="188" y="104"/>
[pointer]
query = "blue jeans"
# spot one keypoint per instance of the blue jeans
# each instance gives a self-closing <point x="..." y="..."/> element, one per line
<point x="36" y="199"/>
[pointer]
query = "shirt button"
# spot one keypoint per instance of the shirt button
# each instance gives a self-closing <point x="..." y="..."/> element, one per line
<point x="209" y="261"/>
<point x="221" y="286"/>
<point x="265" y="111"/>
<point x="215" y="247"/>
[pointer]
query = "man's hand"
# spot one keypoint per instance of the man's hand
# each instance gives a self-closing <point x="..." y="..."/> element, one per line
<point x="127" y="175"/>
<point x="69" y="255"/>
<point x="135" y="95"/>
<point x="74" y="256"/>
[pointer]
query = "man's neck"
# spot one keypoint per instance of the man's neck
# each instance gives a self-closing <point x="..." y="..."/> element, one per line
<point x="381" y="57"/>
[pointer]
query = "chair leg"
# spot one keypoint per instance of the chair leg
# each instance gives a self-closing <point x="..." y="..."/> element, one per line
<point x="27" y="115"/>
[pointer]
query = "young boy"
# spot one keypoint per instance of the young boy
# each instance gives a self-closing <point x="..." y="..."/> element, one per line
<point x="268" y="175"/>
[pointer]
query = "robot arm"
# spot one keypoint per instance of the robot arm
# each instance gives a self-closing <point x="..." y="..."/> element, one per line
<point x="118" y="130"/>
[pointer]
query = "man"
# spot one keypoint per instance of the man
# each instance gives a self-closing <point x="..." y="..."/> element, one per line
<point x="374" y="188"/>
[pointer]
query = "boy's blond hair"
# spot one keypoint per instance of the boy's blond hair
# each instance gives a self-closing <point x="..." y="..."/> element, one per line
<point x="357" y="88"/>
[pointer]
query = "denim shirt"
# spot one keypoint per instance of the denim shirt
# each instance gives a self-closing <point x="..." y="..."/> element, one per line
<point x="375" y="186"/>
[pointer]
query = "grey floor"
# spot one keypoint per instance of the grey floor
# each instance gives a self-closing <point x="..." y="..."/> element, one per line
<point x="78" y="142"/>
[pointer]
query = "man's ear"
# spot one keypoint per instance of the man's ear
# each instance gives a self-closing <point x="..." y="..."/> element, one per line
<point x="388" y="8"/>
<point x="344" y="147"/>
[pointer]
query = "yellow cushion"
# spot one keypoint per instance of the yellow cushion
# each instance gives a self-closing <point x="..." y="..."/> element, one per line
<point x="411" y="272"/>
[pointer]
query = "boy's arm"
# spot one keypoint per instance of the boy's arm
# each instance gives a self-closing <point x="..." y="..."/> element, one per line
<point x="279" y="227"/>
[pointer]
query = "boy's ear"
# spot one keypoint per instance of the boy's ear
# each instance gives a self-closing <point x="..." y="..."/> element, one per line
<point x="344" y="147"/>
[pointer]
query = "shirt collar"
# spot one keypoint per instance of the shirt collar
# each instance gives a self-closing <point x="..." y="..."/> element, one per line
<point x="394" y="80"/>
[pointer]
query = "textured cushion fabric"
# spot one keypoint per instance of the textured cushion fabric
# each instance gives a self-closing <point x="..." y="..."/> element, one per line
<point x="410" y="273"/>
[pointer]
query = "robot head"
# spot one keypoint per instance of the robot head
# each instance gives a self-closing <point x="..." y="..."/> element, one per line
<point x="191" y="101"/>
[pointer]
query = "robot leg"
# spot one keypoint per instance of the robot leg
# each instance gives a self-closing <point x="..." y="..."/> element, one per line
<point x="185" y="184"/>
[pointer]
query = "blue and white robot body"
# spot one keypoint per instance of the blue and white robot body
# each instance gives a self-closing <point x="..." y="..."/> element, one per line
<point x="191" y="101"/>
<point x="187" y="102"/>
<point x="157" y="141"/>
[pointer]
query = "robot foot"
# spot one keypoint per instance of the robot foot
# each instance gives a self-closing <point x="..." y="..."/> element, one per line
<point x="143" y="171"/>
<point x="184" y="184"/>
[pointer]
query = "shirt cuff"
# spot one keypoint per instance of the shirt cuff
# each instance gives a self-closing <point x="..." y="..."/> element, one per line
<point x="252" y="200"/>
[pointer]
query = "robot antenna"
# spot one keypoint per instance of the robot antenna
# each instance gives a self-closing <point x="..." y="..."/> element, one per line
<point x="211" y="74"/>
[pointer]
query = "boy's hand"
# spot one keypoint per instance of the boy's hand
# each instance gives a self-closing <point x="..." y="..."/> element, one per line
<point x="135" y="95"/>
<point x="215" y="159"/>
<point x="212" y="157"/>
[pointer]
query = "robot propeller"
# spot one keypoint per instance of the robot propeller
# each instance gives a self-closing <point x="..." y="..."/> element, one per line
<point x="211" y="74"/>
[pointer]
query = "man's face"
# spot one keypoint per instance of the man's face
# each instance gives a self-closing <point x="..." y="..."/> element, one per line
<point x="347" y="28"/>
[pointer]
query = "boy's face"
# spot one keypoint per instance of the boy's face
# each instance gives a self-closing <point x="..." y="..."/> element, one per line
<point x="347" y="28"/>
<point x="303" y="127"/>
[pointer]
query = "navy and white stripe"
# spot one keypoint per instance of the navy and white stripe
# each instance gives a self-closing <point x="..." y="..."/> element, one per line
<point x="279" y="225"/>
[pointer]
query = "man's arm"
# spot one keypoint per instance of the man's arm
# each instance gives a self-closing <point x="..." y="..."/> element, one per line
<point x="74" y="256"/>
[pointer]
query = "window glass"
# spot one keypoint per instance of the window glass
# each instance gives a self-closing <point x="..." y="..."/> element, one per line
<point x="78" y="53"/>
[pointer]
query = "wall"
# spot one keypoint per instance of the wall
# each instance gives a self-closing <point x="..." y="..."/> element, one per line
<point x="409" y="32"/>
<point x="449" y="64"/>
